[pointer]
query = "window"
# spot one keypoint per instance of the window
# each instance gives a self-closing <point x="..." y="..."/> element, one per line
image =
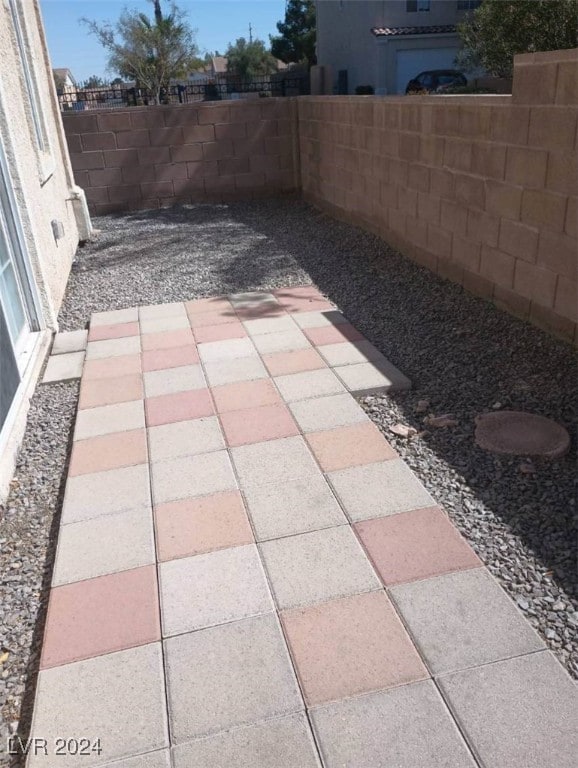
<point x="468" y="5"/>
<point x="413" y="6"/>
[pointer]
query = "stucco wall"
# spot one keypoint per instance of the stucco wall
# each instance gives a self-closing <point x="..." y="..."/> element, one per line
<point x="482" y="190"/>
<point x="41" y="181"/>
<point x="148" y="157"/>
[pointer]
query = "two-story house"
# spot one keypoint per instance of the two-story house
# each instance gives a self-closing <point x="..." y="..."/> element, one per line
<point x="385" y="44"/>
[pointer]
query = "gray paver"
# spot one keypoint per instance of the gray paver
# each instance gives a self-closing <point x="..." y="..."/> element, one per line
<point x="298" y="506"/>
<point x="129" y="345"/>
<point x="168" y="323"/>
<point x="319" y="319"/>
<point x="317" y="566"/>
<point x="185" y="438"/>
<point x="169" y="380"/>
<point x="365" y="378"/>
<point x="284" y="341"/>
<point x="213" y="588"/>
<point x="104" y="545"/>
<point x="228" y="349"/>
<point x="192" y="476"/>
<point x="119" y="698"/>
<point x="226" y="676"/>
<point x="376" y="490"/>
<point x="115" y="316"/>
<point x="63" y="367"/>
<point x="518" y="712"/>
<point x="350" y="353"/>
<point x="159" y="759"/>
<point x="269" y="325"/>
<point x="102" y="493"/>
<point x="274" y="461"/>
<point x="69" y="341"/>
<point x="301" y="386"/>
<point x="408" y="727"/>
<point x="228" y="371"/>
<point x="105" y="419"/>
<point x="253" y="300"/>
<point x="155" y="311"/>
<point x="327" y="412"/>
<point x="463" y="620"/>
<point x="285" y="742"/>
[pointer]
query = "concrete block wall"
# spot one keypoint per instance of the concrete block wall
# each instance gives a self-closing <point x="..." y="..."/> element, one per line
<point x="151" y="157"/>
<point x="482" y="190"/>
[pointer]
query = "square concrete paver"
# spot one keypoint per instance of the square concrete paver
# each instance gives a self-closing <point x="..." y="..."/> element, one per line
<point x="365" y="378"/>
<point x="350" y="646"/>
<point x="192" y="476"/>
<point x="245" y="394"/>
<point x="227" y="676"/>
<point x="463" y="620"/>
<point x="254" y="425"/>
<point x="266" y="325"/>
<point x="208" y="333"/>
<point x="161" y="758"/>
<point x="69" y="341"/>
<point x="161" y="324"/>
<point x="154" y="311"/>
<point x="170" y="380"/>
<point x="283" y="341"/>
<point x="106" y="419"/>
<point x="249" y="300"/>
<point x="115" y="316"/>
<point x="284" y="363"/>
<point x="206" y="319"/>
<point x="328" y="413"/>
<point x="285" y="742"/>
<point x="324" y="319"/>
<point x="182" y="337"/>
<point x="316" y="566"/>
<point x="301" y="386"/>
<point x="158" y="359"/>
<point x="349" y="446"/>
<point x="333" y="334"/>
<point x="297" y="506"/>
<point x="104" y="493"/>
<point x="101" y="615"/>
<point x="104" y="545"/>
<point x="350" y="353"/>
<point x="519" y="712"/>
<point x="129" y="345"/>
<point x="204" y="524"/>
<point x="178" y="406"/>
<point x="415" y="545"/>
<point x="185" y="438"/>
<point x="98" y="454"/>
<point x="214" y="588"/>
<point x="115" y="331"/>
<point x="119" y="698"/>
<point x="209" y="304"/>
<point x="228" y="371"/>
<point x="229" y="349"/>
<point x="110" y="390"/>
<point x="375" y="490"/>
<point x="63" y="367"/>
<point x="274" y="461"/>
<point x="111" y="367"/>
<point x="407" y="727"/>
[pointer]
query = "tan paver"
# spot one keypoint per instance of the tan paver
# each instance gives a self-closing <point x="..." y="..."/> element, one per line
<point x="208" y="333"/>
<point x="115" y="316"/>
<point x="168" y="339"/>
<point x="349" y="446"/>
<point x="105" y="419"/>
<point x="97" y="454"/>
<point x="110" y="390"/>
<point x="274" y="461"/>
<point x="283" y="363"/>
<point x="97" y="350"/>
<point x="69" y="341"/>
<point x="229" y="371"/>
<point x="245" y="394"/>
<point x="111" y="367"/>
<point x="63" y="367"/>
<point x="115" y="331"/>
<point x="302" y="386"/>
<point x="188" y="476"/>
<point x="283" y="341"/>
<point x="158" y="359"/>
<point x="103" y="493"/>
<point x="185" y="438"/>
<point x="330" y="412"/>
<point x="169" y="380"/>
<point x="254" y="425"/>
<point x="178" y="406"/>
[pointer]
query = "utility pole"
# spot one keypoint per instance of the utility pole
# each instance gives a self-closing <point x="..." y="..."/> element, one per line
<point x="250" y="33"/>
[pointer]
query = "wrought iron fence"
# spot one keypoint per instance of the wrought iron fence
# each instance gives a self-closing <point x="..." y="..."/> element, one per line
<point x="117" y="97"/>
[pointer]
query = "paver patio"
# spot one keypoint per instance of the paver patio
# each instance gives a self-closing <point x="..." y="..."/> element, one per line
<point x="248" y="575"/>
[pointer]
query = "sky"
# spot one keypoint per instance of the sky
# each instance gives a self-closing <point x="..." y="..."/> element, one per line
<point x="218" y="22"/>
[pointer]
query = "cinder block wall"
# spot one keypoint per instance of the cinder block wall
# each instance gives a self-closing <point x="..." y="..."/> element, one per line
<point x="482" y="190"/>
<point x="148" y="157"/>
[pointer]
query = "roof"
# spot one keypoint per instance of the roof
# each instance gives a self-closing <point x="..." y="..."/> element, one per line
<point x="64" y="73"/>
<point x="399" y="31"/>
<point x="219" y="64"/>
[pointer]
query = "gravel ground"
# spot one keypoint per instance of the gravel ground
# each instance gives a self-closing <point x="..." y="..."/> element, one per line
<point x="464" y="356"/>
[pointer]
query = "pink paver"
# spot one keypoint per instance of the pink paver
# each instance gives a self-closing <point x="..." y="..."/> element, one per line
<point x="245" y="394"/>
<point x="119" y="449"/>
<point x="253" y="425"/>
<point x="349" y="447"/>
<point x="206" y="333"/>
<point x="211" y="304"/>
<point x="107" y="391"/>
<point x="203" y="319"/>
<point x="193" y="526"/>
<point x="178" y="406"/>
<point x="350" y="646"/>
<point x="281" y="363"/>
<point x="415" y="545"/>
<point x="167" y="339"/>
<point x="111" y="367"/>
<point x="102" y="615"/>
<point x="157" y="359"/>
<point x="118" y="331"/>
<point x="333" y="334"/>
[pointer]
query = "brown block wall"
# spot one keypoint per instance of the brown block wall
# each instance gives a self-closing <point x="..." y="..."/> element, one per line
<point x="481" y="189"/>
<point x="150" y="157"/>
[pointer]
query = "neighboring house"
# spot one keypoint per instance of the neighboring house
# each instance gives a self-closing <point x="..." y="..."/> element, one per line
<point x="386" y="44"/>
<point x="43" y="216"/>
<point x="66" y="87"/>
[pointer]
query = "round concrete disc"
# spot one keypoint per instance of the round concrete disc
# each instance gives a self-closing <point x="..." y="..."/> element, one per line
<point x="521" y="434"/>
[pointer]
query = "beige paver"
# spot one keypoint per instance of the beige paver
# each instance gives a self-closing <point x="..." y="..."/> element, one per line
<point x="327" y="412"/>
<point x="63" y="367"/>
<point x="187" y="476"/>
<point x="69" y="341"/>
<point x="365" y="378"/>
<point x="302" y="386"/>
<point x="185" y="438"/>
<point x="169" y="380"/>
<point x="105" y="419"/>
<point x="103" y="493"/>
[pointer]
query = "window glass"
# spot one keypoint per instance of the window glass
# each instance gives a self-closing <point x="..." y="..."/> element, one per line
<point x="423" y="5"/>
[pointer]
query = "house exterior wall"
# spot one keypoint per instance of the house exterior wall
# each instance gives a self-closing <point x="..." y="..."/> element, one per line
<point x="482" y="190"/>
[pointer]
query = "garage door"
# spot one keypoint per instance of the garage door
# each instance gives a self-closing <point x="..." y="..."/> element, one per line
<point x="411" y="63"/>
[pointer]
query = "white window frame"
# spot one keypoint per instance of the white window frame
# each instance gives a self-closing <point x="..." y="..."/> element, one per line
<point x="37" y="117"/>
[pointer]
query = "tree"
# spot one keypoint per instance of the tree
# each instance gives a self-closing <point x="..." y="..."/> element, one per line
<point x="246" y="60"/>
<point x="94" y="81"/>
<point x="499" y="29"/>
<point x="296" y="42"/>
<point x="151" y="52"/>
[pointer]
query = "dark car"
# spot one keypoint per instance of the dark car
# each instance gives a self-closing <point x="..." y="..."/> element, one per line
<point x="436" y="80"/>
